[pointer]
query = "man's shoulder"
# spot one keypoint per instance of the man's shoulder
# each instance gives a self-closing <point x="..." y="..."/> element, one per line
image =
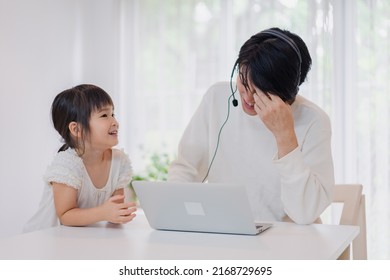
<point x="311" y="111"/>
<point x="218" y="91"/>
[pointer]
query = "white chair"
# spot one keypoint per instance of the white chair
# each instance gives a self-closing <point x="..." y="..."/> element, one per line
<point x="353" y="213"/>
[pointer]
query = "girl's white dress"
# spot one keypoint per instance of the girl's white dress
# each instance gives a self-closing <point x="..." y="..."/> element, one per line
<point x="68" y="168"/>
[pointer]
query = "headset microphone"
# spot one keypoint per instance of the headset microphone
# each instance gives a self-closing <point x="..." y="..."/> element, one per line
<point x="234" y="101"/>
<point x="235" y="104"/>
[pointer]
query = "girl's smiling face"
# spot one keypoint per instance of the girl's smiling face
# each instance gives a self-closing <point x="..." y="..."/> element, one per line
<point x="103" y="128"/>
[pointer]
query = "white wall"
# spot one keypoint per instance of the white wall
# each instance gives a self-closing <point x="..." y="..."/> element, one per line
<point x="46" y="46"/>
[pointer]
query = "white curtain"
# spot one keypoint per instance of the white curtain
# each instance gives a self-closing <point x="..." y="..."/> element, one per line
<point x="171" y="51"/>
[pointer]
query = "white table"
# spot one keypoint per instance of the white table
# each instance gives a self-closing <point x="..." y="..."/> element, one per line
<point x="137" y="240"/>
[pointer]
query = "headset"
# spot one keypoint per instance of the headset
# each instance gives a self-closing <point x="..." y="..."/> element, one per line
<point x="276" y="34"/>
<point x="284" y="38"/>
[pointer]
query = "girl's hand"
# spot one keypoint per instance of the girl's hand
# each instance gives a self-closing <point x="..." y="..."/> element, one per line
<point x="277" y="116"/>
<point x="118" y="212"/>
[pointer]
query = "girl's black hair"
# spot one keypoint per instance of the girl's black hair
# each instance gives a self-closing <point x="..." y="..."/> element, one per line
<point x="76" y="105"/>
<point x="272" y="65"/>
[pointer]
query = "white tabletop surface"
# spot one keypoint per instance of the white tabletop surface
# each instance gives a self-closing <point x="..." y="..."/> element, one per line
<point x="136" y="240"/>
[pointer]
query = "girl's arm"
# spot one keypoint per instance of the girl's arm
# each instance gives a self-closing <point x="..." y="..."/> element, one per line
<point x="114" y="210"/>
<point x="119" y="192"/>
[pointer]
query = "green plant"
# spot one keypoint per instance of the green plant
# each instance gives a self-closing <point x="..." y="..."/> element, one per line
<point x="156" y="170"/>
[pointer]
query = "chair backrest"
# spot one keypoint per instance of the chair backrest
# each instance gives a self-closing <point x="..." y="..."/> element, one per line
<point x="353" y="213"/>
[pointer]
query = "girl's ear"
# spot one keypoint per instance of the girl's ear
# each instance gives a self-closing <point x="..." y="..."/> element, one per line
<point x="75" y="129"/>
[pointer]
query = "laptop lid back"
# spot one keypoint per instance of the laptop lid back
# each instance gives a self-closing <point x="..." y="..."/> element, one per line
<point x="219" y="208"/>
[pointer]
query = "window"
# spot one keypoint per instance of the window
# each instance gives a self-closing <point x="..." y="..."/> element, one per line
<point x="172" y="51"/>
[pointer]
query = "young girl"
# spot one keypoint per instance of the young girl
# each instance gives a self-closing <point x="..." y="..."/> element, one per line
<point x="84" y="183"/>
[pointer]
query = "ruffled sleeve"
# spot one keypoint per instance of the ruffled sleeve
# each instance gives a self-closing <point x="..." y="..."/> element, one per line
<point x="125" y="170"/>
<point x="66" y="168"/>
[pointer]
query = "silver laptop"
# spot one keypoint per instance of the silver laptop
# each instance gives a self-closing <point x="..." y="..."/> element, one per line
<point x="211" y="207"/>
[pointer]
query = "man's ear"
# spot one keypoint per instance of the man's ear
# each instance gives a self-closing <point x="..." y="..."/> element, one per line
<point x="75" y="129"/>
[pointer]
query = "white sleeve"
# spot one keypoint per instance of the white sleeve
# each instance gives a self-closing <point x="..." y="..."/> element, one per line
<point x="125" y="170"/>
<point x="307" y="175"/>
<point x="66" y="168"/>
